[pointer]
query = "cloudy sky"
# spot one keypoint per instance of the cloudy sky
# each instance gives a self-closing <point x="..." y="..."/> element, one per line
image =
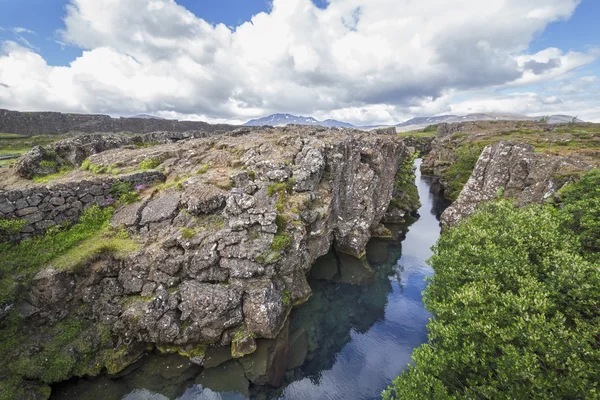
<point x="362" y="61"/>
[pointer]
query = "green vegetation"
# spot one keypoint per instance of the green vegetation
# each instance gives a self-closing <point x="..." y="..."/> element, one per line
<point x="188" y="233"/>
<point x="281" y="242"/>
<point x="282" y="189"/>
<point x="149" y="163"/>
<point x="431" y="128"/>
<point x="12" y="226"/>
<point x="203" y="169"/>
<point x="87" y="165"/>
<point x="581" y="208"/>
<point x="50" y="177"/>
<point x="457" y="174"/>
<point x="516" y="296"/>
<point x="124" y="192"/>
<point x="286" y="297"/>
<point x="406" y="195"/>
<point x="20" y="262"/>
<point x="11" y="143"/>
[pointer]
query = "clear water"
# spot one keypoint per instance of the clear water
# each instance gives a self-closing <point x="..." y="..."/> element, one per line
<point x="360" y="337"/>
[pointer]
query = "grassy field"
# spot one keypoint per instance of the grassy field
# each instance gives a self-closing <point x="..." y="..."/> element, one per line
<point x="11" y="143"/>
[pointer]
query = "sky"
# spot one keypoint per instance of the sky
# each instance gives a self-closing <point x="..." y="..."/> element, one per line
<point x="360" y="61"/>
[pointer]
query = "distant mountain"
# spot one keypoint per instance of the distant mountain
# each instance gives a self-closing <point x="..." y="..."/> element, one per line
<point x="422" y="122"/>
<point x="146" y="116"/>
<point x="426" y="120"/>
<point x="410" y="125"/>
<point x="286" y="119"/>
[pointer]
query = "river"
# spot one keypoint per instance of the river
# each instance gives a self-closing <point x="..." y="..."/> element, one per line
<point x="355" y="338"/>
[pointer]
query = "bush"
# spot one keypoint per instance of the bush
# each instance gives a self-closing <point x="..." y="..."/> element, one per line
<point x="460" y="171"/>
<point x="581" y="209"/>
<point x="517" y="312"/>
<point x="123" y="192"/>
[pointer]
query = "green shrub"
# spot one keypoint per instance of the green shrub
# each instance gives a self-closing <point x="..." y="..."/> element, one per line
<point x="123" y="192"/>
<point x="149" y="163"/>
<point x="581" y="209"/>
<point x="431" y="128"/>
<point x="460" y="171"/>
<point x="517" y="312"/>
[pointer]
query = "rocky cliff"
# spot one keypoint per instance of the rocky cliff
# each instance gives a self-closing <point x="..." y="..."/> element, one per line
<point x="456" y="149"/>
<point x="223" y="246"/>
<point x="54" y="123"/>
<point x="513" y="170"/>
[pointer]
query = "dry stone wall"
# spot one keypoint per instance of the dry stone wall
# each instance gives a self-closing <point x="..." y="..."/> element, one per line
<point x="46" y="206"/>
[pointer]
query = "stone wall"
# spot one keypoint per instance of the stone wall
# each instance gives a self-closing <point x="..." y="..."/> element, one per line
<point x="53" y="123"/>
<point x="46" y="206"/>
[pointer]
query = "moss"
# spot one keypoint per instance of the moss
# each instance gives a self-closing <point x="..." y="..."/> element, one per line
<point x="203" y="169"/>
<point x="286" y="297"/>
<point x="188" y="233"/>
<point x="252" y="174"/>
<point x="211" y="222"/>
<point x="281" y="242"/>
<point x="149" y="163"/>
<point x="243" y="343"/>
<point x="26" y="258"/>
<point x="189" y="351"/>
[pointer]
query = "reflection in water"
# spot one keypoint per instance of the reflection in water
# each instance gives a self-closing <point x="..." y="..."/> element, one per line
<point x="347" y="342"/>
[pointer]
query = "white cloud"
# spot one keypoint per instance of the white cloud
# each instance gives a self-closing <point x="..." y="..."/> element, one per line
<point x="19" y="30"/>
<point x="359" y="60"/>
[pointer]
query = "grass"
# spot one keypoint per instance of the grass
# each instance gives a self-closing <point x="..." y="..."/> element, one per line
<point x="12" y="226"/>
<point x="149" y="163"/>
<point x="112" y="169"/>
<point x="90" y="249"/>
<point x="25" y="259"/>
<point x="50" y="177"/>
<point x="203" y="169"/>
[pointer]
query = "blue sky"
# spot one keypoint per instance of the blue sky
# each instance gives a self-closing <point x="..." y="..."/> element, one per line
<point x="36" y="25"/>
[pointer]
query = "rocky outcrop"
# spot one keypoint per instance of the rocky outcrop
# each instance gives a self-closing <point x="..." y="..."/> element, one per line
<point x="225" y="244"/>
<point x="53" y="123"/>
<point x="72" y="152"/>
<point x="512" y="170"/>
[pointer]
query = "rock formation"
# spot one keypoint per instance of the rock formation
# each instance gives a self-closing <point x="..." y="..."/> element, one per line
<point x="512" y="170"/>
<point x="225" y="242"/>
<point x="53" y="123"/>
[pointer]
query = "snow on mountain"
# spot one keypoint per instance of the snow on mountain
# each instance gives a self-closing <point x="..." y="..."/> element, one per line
<point x="286" y="119"/>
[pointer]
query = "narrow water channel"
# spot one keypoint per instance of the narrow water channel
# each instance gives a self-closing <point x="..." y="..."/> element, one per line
<point x="347" y="342"/>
